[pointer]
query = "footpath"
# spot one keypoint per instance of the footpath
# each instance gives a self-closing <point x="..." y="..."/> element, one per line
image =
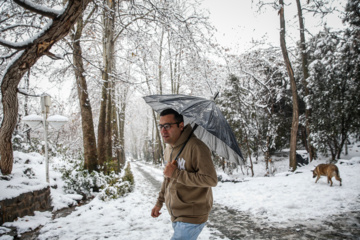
<point x="232" y="224"/>
<point x="129" y="218"/>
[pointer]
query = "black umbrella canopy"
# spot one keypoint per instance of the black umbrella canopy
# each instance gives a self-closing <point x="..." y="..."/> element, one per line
<point x="213" y="128"/>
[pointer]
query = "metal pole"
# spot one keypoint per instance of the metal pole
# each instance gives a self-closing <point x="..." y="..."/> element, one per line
<point x="45" y="109"/>
<point x="46" y="148"/>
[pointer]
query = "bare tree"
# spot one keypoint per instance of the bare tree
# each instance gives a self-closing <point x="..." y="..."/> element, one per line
<point x="295" y="120"/>
<point x="87" y="123"/>
<point x="305" y="69"/>
<point x="27" y="53"/>
<point x="104" y="128"/>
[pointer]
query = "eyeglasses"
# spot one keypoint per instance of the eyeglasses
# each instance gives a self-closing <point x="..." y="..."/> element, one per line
<point x="166" y="126"/>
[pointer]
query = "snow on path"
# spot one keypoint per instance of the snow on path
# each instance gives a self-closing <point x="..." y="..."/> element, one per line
<point x="155" y="176"/>
<point x="125" y="218"/>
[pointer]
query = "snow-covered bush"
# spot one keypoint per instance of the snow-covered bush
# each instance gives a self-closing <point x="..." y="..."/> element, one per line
<point x="118" y="187"/>
<point x="128" y="176"/>
<point x="81" y="181"/>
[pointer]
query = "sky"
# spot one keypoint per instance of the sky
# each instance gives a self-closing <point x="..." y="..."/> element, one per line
<point x="283" y="200"/>
<point x="239" y="23"/>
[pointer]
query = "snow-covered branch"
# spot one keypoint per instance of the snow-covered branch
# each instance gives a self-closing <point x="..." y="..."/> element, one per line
<point x="134" y="20"/>
<point x="256" y="79"/>
<point x="24" y="92"/>
<point x="13" y="45"/>
<point x="17" y="25"/>
<point x="39" y="9"/>
<point x="53" y="56"/>
<point x="8" y="56"/>
<point x="247" y="90"/>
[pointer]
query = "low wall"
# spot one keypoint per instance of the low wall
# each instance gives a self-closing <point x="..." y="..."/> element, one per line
<point x="24" y="204"/>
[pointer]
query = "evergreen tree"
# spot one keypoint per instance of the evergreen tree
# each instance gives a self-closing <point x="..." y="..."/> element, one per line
<point x="257" y="103"/>
<point x="334" y="80"/>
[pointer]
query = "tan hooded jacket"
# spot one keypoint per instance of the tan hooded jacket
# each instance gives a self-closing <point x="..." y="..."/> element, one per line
<point x="187" y="194"/>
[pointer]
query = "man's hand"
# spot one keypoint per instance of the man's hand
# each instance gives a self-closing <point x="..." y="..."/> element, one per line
<point x="155" y="212"/>
<point x="169" y="169"/>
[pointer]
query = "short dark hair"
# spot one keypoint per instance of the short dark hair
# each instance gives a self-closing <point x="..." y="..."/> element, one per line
<point x="178" y="117"/>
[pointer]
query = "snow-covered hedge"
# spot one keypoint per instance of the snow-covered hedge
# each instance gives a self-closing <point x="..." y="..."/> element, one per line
<point x="118" y="187"/>
<point x="80" y="181"/>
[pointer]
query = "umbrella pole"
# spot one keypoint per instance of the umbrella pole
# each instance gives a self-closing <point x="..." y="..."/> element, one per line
<point x="193" y="130"/>
<point x="182" y="148"/>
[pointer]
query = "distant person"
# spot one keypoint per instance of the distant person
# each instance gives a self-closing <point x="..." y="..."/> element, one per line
<point x="186" y="189"/>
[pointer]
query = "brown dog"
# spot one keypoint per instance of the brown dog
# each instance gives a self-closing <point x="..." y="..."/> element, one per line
<point x="329" y="170"/>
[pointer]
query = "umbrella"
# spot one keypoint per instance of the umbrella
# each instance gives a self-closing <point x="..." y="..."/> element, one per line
<point x="213" y="128"/>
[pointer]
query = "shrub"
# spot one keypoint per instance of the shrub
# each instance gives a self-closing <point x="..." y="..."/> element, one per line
<point x="128" y="176"/>
<point x="82" y="182"/>
<point x="118" y="187"/>
<point x="79" y="180"/>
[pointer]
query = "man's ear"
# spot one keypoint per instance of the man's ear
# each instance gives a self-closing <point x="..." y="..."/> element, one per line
<point x="181" y="126"/>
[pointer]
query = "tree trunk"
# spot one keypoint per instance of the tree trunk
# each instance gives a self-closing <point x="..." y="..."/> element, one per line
<point x="158" y="148"/>
<point x="121" y="119"/>
<point x="160" y="62"/>
<point x="108" y="124"/>
<point x="249" y="152"/>
<point x="26" y="108"/>
<point x="25" y="60"/>
<point x="331" y="144"/>
<point x="116" y="127"/>
<point x="177" y="74"/>
<point x="304" y="57"/>
<point x="119" y="125"/>
<point x="267" y="154"/>
<point x="295" y="119"/>
<point x="87" y="124"/>
<point x="104" y="128"/>
<point x="101" y="127"/>
<point x="158" y="143"/>
<point x="171" y="66"/>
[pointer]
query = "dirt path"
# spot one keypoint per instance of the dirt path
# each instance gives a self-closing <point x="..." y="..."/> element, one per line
<point x="233" y="224"/>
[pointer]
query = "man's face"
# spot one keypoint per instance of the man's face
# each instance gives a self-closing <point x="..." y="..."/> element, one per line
<point x="171" y="135"/>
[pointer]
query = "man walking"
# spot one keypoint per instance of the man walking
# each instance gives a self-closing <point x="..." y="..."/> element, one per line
<point x="186" y="189"/>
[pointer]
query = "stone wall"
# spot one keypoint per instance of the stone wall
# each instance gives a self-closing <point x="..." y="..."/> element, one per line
<point x="24" y="204"/>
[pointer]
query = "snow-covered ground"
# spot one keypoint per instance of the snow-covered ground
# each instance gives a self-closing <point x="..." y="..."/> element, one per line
<point x="281" y="200"/>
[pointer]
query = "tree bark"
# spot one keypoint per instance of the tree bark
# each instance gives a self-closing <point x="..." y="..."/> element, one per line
<point x="22" y="63"/>
<point x="249" y="154"/>
<point x="267" y="153"/>
<point x="102" y="121"/>
<point x="304" y="57"/>
<point x="157" y="146"/>
<point x="108" y="123"/>
<point x="295" y="116"/>
<point x="116" y="134"/>
<point x="26" y="108"/>
<point x="87" y="124"/>
<point x="121" y="119"/>
<point x="160" y="62"/>
<point x="104" y="128"/>
<point x="118" y="120"/>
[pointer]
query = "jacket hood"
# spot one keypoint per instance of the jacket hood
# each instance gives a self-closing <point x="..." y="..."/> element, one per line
<point x="184" y="136"/>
